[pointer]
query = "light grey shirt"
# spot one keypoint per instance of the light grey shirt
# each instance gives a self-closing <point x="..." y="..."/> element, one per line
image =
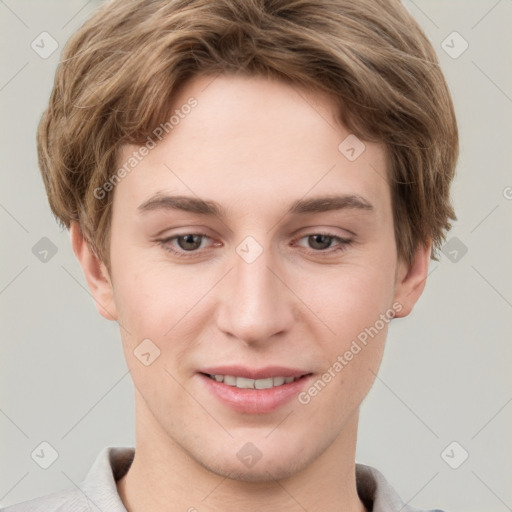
<point x="98" y="491"/>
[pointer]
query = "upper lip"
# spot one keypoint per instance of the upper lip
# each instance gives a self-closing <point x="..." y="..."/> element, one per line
<point x="255" y="373"/>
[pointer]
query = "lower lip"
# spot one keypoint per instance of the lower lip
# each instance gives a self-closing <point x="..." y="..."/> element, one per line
<point x="255" y="401"/>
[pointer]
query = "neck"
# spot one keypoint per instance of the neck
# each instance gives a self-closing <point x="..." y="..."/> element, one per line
<point x="164" y="477"/>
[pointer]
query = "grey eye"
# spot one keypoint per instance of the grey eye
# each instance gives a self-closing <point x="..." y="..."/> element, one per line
<point x="189" y="242"/>
<point x="319" y="241"/>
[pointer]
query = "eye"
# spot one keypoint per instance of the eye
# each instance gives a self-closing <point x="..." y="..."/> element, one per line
<point x="321" y="242"/>
<point x="187" y="243"/>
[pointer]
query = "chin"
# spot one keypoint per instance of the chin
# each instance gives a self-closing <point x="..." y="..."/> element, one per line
<point x="277" y="466"/>
<point x="261" y="473"/>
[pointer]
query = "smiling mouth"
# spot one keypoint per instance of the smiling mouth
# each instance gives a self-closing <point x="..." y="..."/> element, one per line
<point x="246" y="383"/>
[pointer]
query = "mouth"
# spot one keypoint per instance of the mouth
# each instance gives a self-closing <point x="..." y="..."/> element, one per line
<point x="247" y="383"/>
<point x="254" y="391"/>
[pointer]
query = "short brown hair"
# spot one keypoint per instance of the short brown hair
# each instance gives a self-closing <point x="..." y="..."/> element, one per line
<point x="120" y="71"/>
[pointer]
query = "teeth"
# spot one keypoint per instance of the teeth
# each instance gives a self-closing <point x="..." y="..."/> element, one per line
<point x="242" y="382"/>
<point x="265" y="383"/>
<point x="279" y="381"/>
<point x="245" y="383"/>
<point x="230" y="380"/>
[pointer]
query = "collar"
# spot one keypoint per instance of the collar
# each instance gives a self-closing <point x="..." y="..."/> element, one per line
<point x="100" y="490"/>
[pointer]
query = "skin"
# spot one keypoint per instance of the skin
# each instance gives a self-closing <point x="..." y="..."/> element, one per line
<point x="255" y="146"/>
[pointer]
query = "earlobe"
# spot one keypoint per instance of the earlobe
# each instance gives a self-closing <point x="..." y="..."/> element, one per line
<point x="411" y="279"/>
<point x="95" y="273"/>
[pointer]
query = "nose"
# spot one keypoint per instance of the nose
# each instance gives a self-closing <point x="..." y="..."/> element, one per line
<point x="256" y="304"/>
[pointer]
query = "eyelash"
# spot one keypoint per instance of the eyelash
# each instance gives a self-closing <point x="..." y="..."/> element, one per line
<point x="342" y="245"/>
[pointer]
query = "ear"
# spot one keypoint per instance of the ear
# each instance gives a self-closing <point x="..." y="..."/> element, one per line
<point x="411" y="279"/>
<point x="95" y="272"/>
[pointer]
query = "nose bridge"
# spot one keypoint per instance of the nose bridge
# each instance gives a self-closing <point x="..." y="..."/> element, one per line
<point x="255" y="285"/>
<point x="256" y="304"/>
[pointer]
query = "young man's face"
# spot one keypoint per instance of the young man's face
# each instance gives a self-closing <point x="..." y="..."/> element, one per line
<point x="263" y="294"/>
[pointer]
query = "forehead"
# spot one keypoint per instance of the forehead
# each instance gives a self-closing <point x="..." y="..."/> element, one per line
<point x="248" y="140"/>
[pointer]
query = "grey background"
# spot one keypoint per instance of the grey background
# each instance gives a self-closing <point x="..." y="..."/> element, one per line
<point x="446" y="371"/>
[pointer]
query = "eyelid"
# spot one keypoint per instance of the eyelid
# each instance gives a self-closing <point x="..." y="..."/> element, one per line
<point x="335" y="250"/>
<point x="327" y="234"/>
<point x="342" y="245"/>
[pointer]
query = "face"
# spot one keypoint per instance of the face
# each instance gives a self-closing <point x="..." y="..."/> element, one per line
<point x="248" y="251"/>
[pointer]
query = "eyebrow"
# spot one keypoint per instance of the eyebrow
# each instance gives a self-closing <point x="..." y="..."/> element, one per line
<point x="212" y="208"/>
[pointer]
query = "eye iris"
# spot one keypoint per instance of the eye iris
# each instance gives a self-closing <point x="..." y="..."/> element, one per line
<point x="191" y="242"/>
<point x="320" y="241"/>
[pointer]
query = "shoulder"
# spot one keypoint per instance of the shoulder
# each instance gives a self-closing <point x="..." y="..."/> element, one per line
<point x="96" y="493"/>
<point x="378" y="495"/>
<point x="68" y="500"/>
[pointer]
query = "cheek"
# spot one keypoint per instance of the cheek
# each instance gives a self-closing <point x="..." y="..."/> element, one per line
<point x="344" y="384"/>
<point x="161" y="303"/>
<point x="138" y="299"/>
<point x="351" y="302"/>
<point x="145" y="305"/>
<point x="357" y="308"/>
<point x="153" y="315"/>
<point x="348" y="299"/>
